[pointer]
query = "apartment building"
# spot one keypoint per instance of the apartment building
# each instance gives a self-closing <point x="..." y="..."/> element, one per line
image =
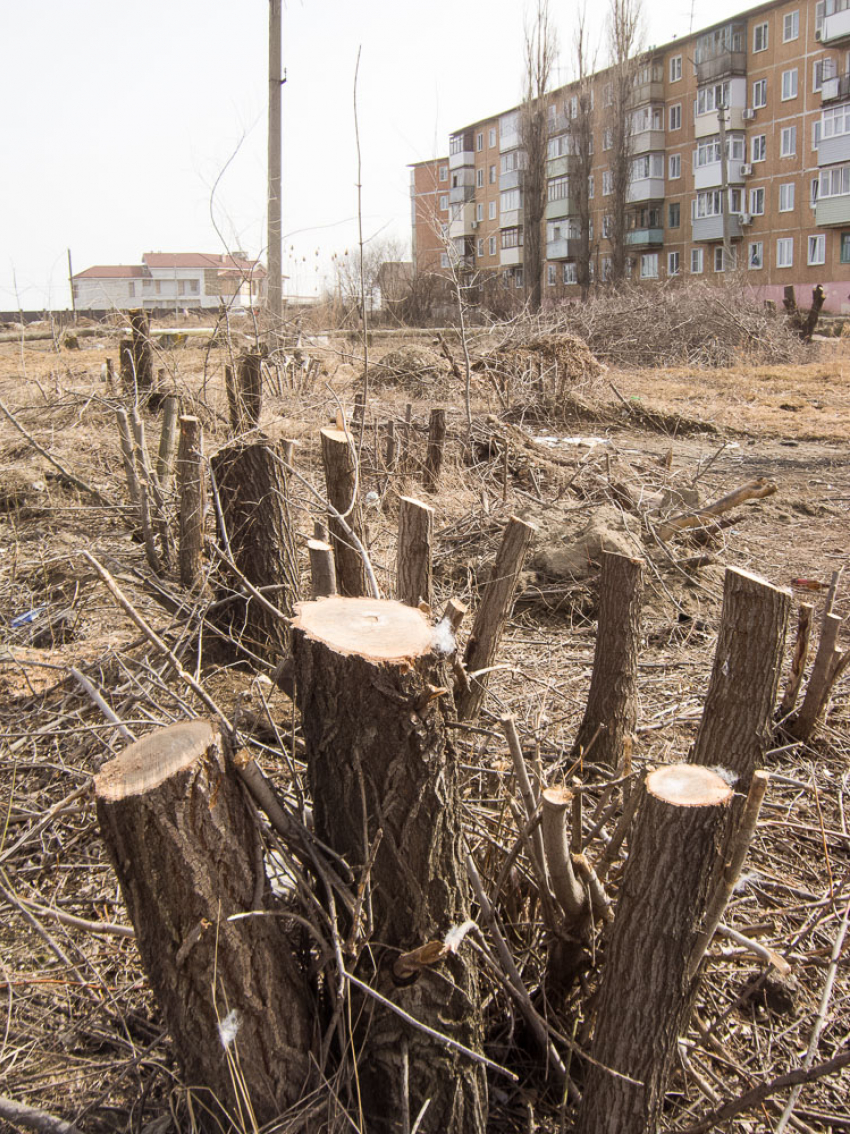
<point x="778" y="74"/>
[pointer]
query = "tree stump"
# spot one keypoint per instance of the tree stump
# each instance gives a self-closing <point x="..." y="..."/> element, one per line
<point x="646" y="991"/>
<point x="369" y="686"/>
<point x="250" y="391"/>
<point x="257" y="530"/>
<point x="612" y="700"/>
<point x="185" y="847"/>
<point x="136" y="356"/>
<point x="193" y="500"/>
<point x="413" y="565"/>
<point x="434" y="452"/>
<point x="341" y="479"/>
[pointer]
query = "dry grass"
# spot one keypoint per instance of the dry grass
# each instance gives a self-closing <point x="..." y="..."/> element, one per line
<point x="79" y="1032"/>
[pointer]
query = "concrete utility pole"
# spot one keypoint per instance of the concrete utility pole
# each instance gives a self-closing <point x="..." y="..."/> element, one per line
<point x="71" y="283"/>
<point x="275" y="277"/>
<point x="724" y="188"/>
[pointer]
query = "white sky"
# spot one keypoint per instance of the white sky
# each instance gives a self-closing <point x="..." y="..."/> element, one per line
<point x="120" y="116"/>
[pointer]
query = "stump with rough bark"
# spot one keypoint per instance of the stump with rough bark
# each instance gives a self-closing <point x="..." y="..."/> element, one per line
<point x="185" y="847"/>
<point x="340" y="462"/>
<point x="257" y="532"/>
<point x="646" y="988"/>
<point x="611" y="712"/>
<point x="192" y="491"/>
<point x="370" y="688"/>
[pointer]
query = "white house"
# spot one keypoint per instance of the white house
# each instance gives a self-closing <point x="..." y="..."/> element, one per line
<point x="172" y="279"/>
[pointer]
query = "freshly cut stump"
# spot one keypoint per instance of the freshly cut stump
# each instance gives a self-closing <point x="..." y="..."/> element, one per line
<point x="185" y="847"/>
<point x="370" y="685"/>
<point x="646" y="992"/>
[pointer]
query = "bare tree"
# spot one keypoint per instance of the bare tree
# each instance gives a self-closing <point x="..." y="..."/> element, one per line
<point x="625" y="18"/>
<point x="356" y="273"/>
<point x="581" y="130"/>
<point x="541" y="48"/>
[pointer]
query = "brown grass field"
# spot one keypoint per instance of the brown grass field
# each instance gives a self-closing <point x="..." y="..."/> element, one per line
<point x="80" y="1034"/>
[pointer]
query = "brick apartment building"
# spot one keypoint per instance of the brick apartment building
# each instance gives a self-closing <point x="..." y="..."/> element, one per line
<point x="781" y="75"/>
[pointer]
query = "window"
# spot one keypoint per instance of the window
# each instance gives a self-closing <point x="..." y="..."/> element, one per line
<point x="813" y="191"/>
<point x="711" y="99"/>
<point x="788" y="144"/>
<point x="573" y="106"/>
<point x="757" y="202"/>
<point x="845" y="248"/>
<point x="675" y="166"/>
<point x="835" y="121"/>
<point x="649" y="266"/>
<point x="444" y="203"/>
<point x="516" y="159"/>
<point x="606" y="267"/>
<point x="696" y="261"/>
<point x="606" y="226"/>
<point x="758" y="148"/>
<point x="790" y="26"/>
<point x="570" y="274"/>
<point x="756" y="257"/>
<point x="789" y="84"/>
<point x="456" y="144"/>
<point x="673" y="263"/>
<point x="820" y="12"/>
<point x="607" y="138"/>
<point x="759" y="94"/>
<point x="607" y="183"/>
<point x="708" y="150"/>
<point x="479" y="142"/>
<point x="480" y="247"/>
<point x="491" y="210"/>
<point x="479" y="178"/>
<point x="608" y="94"/>
<point x="479" y="211"/>
<point x="786" y="197"/>
<point x="675" y="68"/>
<point x="708" y="204"/>
<point x="551" y="275"/>
<point x="760" y="37"/>
<point x="835" y="182"/>
<point x="647" y="165"/>
<point x="675" y="117"/>
<point x="512" y="237"/>
<point x="591" y="186"/>
<point x="511" y="199"/>
<point x="785" y="252"/>
<point x="444" y="173"/>
<point x="491" y="246"/>
<point x="817" y="249"/>
<point x="719" y="259"/>
<point x="491" y="137"/>
<point x="518" y="278"/>
<point x="674" y="215"/>
<point x="492" y="177"/>
<point x="558" y="189"/>
<point x="823" y="69"/>
<point x="444" y="260"/>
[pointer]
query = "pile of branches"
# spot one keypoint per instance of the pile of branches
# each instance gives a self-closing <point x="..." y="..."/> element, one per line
<point x="690" y="323"/>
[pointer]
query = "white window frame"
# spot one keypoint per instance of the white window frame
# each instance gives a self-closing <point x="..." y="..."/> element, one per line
<point x="675" y="68"/>
<point x="491" y="137"/>
<point x="444" y="203"/>
<point x="491" y="210"/>
<point x="444" y="173"/>
<point x="649" y="266"/>
<point x="479" y="178"/>
<point x="719" y="258"/>
<point x="444" y="259"/>
<point x="757" y="201"/>
<point x="479" y="141"/>
<point x="607" y="183"/>
<point x="755" y="258"/>
<point x="697" y="261"/>
<point x="760" y="37"/>
<point x="551" y="274"/>
<point x="480" y="247"/>
<point x="790" y="84"/>
<point x="791" y="26"/>
<point x="674" y="167"/>
<point x="674" y="117"/>
<point x="785" y="252"/>
<point x="817" y="249"/>
<point x="674" y="263"/>
<point x="788" y="141"/>
<point x="787" y="196"/>
<point x="479" y="211"/>
<point x="569" y="273"/>
<point x="492" y="176"/>
<point x="758" y="148"/>
<point x="759" y="94"/>
<point x="491" y="246"/>
<point x="671" y="205"/>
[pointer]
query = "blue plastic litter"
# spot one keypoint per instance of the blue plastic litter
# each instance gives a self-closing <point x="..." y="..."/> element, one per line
<point x="30" y="616"/>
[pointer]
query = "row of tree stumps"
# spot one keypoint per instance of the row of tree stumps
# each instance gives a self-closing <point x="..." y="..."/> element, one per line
<point x="379" y="686"/>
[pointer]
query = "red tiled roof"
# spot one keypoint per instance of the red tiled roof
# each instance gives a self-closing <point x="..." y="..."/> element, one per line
<point x="112" y="272"/>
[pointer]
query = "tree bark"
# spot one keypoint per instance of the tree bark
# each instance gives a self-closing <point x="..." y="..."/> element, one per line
<point x="252" y="494"/>
<point x="736" y="722"/>
<point x="250" y="391"/>
<point x="645" y="992"/>
<point x="612" y="700"/>
<point x="413" y="572"/>
<point x="193" y="500"/>
<point x="341" y="480"/>
<point x="136" y="356"/>
<point x="369" y="688"/>
<point x="186" y="850"/>
<point x="436" y="447"/>
<point x="492" y="615"/>
<point x="322" y="568"/>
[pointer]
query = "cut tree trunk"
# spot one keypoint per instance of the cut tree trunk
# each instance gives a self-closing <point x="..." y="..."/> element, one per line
<point x="611" y="711"/>
<point x="250" y="391"/>
<point x="413" y="571"/>
<point x="341" y="478"/>
<point x="252" y="492"/>
<point x="193" y="500"/>
<point x="436" y="447"/>
<point x="492" y="616"/>
<point x="322" y="569"/>
<point x="369" y="687"/>
<point x="646" y="991"/>
<point x="185" y="847"/>
<point x="136" y="356"/>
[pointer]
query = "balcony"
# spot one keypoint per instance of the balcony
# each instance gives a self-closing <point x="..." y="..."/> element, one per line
<point x="711" y="176"/>
<point x="652" y="91"/>
<point x="566" y="248"/>
<point x="461" y="158"/>
<point x="706" y="124"/>
<point x="835" y="89"/>
<point x="831" y="151"/>
<point x="558" y="124"/>
<point x="646" y="189"/>
<point x="510" y="256"/>
<point x="509" y="140"/>
<point x="558" y="166"/>
<point x="510" y="218"/>
<point x="836" y="27"/>
<point x="511" y="180"/>
<point x="645" y="237"/>
<point x="832" y="210"/>
<point x="559" y="208"/>
<point x="711" y="228"/>
<point x="461" y="194"/>
<point x="646" y="140"/>
<point x="721" y="64"/>
<point x="461" y="222"/>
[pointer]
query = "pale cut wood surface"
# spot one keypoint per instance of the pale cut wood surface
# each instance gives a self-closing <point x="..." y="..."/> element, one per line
<point x="149" y="762"/>
<point x="376" y="629"/>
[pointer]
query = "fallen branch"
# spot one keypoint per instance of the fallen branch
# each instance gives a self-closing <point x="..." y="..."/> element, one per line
<point x="34" y="1119"/>
<point x="752" y="490"/>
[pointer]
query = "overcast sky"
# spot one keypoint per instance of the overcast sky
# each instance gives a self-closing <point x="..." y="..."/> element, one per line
<point x="133" y="126"/>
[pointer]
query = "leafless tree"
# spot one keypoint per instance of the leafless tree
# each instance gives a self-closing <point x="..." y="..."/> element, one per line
<point x="581" y="131"/>
<point x="541" y="48"/>
<point x="356" y="274"/>
<point x="625" y="18"/>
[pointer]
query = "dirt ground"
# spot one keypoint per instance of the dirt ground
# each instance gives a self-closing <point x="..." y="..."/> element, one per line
<point x="81" y="1035"/>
